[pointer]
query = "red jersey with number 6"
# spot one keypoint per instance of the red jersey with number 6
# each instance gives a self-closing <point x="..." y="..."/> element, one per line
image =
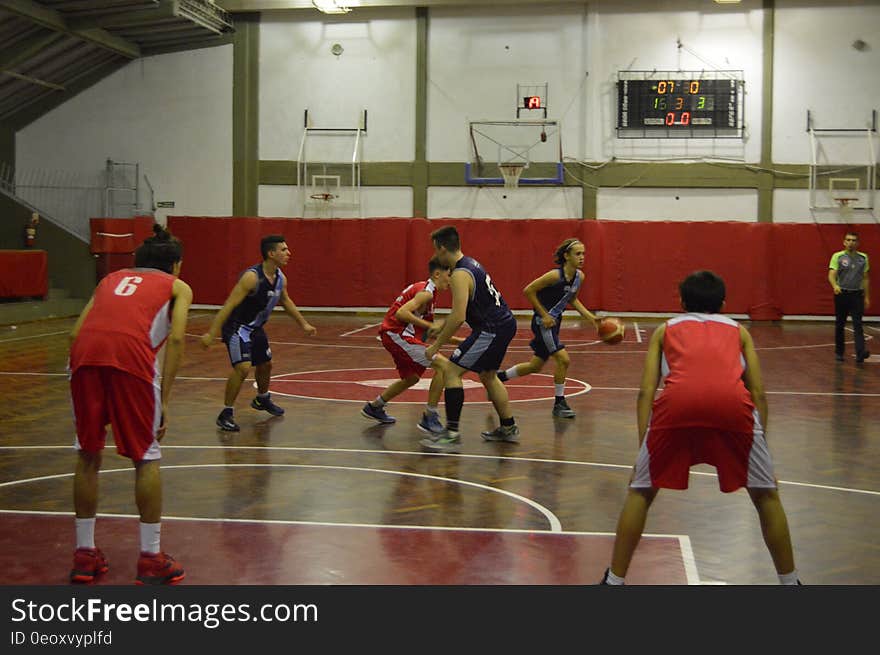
<point x="129" y="321"/>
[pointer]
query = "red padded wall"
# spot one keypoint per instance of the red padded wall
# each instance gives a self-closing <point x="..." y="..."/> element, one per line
<point x="632" y="266"/>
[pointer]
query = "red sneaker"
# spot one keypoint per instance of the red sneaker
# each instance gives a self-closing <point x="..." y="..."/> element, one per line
<point x="87" y="564"/>
<point x="158" y="568"/>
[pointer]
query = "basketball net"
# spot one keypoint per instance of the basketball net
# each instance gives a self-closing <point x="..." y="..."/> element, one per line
<point x="511" y="173"/>
<point x="846" y="210"/>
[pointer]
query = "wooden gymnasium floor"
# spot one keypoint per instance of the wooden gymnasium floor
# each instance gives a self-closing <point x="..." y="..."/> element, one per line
<point x="323" y="496"/>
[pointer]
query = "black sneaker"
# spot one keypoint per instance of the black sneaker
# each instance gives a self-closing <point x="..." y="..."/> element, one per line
<point x="266" y="405"/>
<point x="562" y="410"/>
<point x="839" y="357"/>
<point x="605" y="578"/>
<point x="226" y="422"/>
<point x="862" y="357"/>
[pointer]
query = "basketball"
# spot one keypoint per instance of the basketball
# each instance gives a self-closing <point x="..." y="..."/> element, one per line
<point x="611" y="330"/>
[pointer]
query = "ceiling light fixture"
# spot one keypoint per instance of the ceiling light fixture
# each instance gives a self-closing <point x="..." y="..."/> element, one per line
<point x="330" y="6"/>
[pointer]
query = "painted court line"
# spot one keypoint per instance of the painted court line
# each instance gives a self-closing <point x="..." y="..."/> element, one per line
<point x="555" y="524"/>
<point x="366" y="327"/>
<point x="494" y="458"/>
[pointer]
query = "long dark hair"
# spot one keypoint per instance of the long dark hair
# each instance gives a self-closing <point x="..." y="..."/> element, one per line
<point x="162" y="250"/>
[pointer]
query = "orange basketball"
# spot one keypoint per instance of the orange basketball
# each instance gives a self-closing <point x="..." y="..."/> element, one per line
<point x="611" y="330"/>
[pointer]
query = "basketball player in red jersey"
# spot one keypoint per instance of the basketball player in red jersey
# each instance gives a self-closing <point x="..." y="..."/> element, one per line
<point x="114" y="378"/>
<point x="412" y="312"/>
<point x="712" y="410"/>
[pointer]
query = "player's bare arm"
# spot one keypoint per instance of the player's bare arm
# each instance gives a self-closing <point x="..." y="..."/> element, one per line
<point x="182" y="295"/>
<point x="832" y="279"/>
<point x="650" y="381"/>
<point x="531" y="292"/>
<point x="74" y="331"/>
<point x="418" y="303"/>
<point x="460" y="283"/>
<point x="752" y="376"/>
<point x="245" y="285"/>
<point x="293" y="310"/>
<point x="866" y="285"/>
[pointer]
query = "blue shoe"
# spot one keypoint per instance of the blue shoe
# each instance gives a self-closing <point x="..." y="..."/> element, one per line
<point x="267" y="405"/>
<point x="430" y="423"/>
<point x="377" y="414"/>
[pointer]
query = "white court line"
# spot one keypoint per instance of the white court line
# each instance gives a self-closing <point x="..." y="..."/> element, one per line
<point x="35" y="336"/>
<point x="587" y="387"/>
<point x="345" y="334"/>
<point x="555" y="524"/>
<point x="638" y="332"/>
<point x="327" y="524"/>
<point x="494" y="458"/>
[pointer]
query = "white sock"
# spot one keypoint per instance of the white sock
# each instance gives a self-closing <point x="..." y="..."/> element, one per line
<point x="150" y="537"/>
<point x="559" y="389"/>
<point x="511" y="373"/>
<point x="85" y="533"/>
<point x="432" y="409"/>
<point x="613" y="579"/>
<point x="379" y="403"/>
<point x="788" y="578"/>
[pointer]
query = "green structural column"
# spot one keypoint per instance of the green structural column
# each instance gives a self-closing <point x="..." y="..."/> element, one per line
<point x="765" y="180"/>
<point x="420" y="165"/>
<point x="246" y="115"/>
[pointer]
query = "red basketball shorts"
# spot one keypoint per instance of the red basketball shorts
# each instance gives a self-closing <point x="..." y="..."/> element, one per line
<point x="667" y="454"/>
<point x="130" y="405"/>
<point x="408" y="353"/>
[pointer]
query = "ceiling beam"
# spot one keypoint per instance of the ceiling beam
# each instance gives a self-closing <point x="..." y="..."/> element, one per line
<point x="51" y="19"/>
<point x="237" y="6"/>
<point x="162" y="11"/>
<point x="24" y="50"/>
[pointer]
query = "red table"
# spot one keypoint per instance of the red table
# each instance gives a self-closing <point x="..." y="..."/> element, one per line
<point x="24" y="273"/>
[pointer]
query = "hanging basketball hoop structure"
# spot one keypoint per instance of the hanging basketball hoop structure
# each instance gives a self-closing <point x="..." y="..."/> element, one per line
<point x="511" y="173"/>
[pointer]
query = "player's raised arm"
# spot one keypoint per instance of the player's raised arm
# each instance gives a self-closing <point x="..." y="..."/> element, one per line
<point x="650" y="381"/>
<point x="245" y="285"/>
<point x="752" y="376"/>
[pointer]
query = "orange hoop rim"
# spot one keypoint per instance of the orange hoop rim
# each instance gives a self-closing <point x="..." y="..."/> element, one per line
<point x="326" y="197"/>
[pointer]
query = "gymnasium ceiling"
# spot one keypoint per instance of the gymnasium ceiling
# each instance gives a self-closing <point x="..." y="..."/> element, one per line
<point x="52" y="49"/>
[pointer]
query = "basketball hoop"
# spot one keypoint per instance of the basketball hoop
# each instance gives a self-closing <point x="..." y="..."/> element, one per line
<point x="845" y="205"/>
<point x="511" y="173"/>
<point x="326" y="197"/>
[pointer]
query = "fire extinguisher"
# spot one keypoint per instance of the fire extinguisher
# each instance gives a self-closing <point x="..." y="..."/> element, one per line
<point x="30" y="230"/>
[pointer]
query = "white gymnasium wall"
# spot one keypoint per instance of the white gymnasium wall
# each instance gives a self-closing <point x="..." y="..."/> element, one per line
<point x="499" y="202"/>
<point x="644" y="36"/>
<point x="678" y="204"/>
<point x="284" y="200"/>
<point x="818" y="69"/>
<point x="375" y="72"/>
<point x="172" y="113"/>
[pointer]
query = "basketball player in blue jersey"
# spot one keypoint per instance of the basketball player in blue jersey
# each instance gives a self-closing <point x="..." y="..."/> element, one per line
<point x="550" y="294"/>
<point x="249" y="305"/>
<point x="475" y="300"/>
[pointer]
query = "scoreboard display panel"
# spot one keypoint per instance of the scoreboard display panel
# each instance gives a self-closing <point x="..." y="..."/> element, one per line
<point x="679" y="105"/>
